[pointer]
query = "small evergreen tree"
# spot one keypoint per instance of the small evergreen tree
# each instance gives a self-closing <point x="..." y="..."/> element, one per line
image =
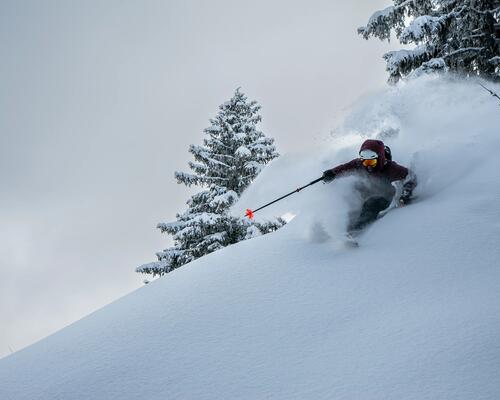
<point x="233" y="153"/>
<point x="455" y="35"/>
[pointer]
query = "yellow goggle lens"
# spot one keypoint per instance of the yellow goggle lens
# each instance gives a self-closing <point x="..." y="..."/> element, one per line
<point x="370" y="163"/>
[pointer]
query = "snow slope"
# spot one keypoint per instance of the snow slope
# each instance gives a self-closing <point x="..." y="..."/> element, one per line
<point x="413" y="313"/>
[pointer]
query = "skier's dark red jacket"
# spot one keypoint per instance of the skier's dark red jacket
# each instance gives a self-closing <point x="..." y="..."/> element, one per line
<point x="385" y="170"/>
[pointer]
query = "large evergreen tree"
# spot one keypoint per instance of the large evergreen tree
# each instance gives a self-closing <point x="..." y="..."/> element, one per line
<point x="233" y="153"/>
<point x="455" y="35"/>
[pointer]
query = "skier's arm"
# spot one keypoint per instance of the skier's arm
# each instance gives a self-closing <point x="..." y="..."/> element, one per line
<point x="331" y="174"/>
<point x="406" y="181"/>
<point x="409" y="183"/>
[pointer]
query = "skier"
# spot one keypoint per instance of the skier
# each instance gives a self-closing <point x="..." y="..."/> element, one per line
<point x="378" y="171"/>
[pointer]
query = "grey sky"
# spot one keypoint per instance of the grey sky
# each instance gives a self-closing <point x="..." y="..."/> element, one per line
<point x="99" y="101"/>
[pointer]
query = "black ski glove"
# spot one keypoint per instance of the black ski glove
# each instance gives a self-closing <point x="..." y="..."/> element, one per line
<point x="408" y="186"/>
<point x="328" y="176"/>
<point x="405" y="197"/>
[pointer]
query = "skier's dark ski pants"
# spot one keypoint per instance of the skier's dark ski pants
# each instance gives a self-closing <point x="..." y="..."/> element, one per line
<point x="369" y="212"/>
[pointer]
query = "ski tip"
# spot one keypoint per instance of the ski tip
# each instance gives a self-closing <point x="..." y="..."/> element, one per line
<point x="350" y="239"/>
<point x="352" y="244"/>
<point x="249" y="213"/>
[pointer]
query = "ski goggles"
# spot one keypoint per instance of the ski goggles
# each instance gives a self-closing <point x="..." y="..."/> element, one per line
<point x="368" y="158"/>
<point x="369" y="163"/>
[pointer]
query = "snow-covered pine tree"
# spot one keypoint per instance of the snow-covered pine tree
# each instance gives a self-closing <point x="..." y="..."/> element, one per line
<point x="233" y="153"/>
<point x="455" y="35"/>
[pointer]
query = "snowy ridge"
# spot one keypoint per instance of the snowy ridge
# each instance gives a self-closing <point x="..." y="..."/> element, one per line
<point x="411" y="314"/>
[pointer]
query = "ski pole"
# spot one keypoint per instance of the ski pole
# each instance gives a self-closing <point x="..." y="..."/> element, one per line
<point x="249" y="213"/>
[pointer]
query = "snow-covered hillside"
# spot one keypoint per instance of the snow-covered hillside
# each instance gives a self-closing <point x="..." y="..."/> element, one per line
<point x="413" y="313"/>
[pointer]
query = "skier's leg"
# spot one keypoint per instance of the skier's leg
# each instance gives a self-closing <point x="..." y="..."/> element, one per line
<point x="369" y="212"/>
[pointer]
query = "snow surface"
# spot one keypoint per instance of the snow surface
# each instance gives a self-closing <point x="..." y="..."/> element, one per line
<point x="413" y="313"/>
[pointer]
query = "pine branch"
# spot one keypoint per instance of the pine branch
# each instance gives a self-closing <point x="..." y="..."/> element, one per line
<point x="489" y="90"/>
<point x="463" y="50"/>
<point x="474" y="36"/>
<point x="484" y="12"/>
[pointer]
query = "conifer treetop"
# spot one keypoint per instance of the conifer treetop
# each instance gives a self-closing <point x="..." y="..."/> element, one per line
<point x="234" y="150"/>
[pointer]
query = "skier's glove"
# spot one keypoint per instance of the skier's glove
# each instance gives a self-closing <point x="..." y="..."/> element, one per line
<point x="408" y="186"/>
<point x="328" y="176"/>
<point x="405" y="197"/>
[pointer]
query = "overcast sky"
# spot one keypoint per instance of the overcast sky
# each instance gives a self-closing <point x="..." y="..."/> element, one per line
<point x="99" y="101"/>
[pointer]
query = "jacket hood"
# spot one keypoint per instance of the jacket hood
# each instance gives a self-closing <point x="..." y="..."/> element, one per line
<point x="378" y="147"/>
